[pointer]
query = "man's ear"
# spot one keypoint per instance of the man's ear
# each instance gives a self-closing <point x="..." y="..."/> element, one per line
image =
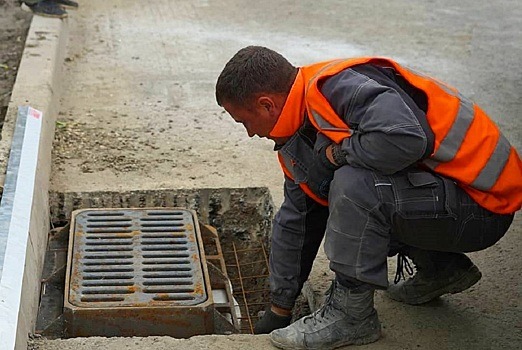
<point x="266" y="103"/>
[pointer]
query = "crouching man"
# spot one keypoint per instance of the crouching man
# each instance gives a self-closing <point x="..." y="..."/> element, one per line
<point x="382" y="160"/>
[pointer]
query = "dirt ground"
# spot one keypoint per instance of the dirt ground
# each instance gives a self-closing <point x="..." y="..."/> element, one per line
<point x="14" y="24"/>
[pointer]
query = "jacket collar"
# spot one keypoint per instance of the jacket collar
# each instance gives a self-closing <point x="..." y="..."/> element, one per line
<point x="292" y="114"/>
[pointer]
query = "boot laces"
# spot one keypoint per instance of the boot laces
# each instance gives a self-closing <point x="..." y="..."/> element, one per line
<point x="402" y="265"/>
<point x="321" y="314"/>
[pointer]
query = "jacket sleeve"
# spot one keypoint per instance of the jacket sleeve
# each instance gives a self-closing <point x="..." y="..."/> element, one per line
<point x="297" y="232"/>
<point x="390" y="130"/>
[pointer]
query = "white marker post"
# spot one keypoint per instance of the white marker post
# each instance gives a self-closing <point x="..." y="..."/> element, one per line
<point x="15" y="217"/>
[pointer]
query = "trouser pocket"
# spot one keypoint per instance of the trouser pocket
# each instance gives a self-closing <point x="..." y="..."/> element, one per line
<point x="423" y="195"/>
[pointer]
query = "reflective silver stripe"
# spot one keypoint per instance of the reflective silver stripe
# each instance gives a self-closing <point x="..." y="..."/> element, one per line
<point x="321" y="122"/>
<point x="451" y="144"/>
<point x="442" y="85"/>
<point x="311" y="81"/>
<point x="489" y="174"/>
<point x="324" y="125"/>
<point x="445" y="87"/>
<point x="455" y="136"/>
<point x="430" y="163"/>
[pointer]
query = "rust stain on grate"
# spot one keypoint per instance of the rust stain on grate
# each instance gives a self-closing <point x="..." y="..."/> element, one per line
<point x="135" y="257"/>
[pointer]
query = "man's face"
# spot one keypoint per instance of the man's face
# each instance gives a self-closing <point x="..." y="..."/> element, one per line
<point x="259" y="119"/>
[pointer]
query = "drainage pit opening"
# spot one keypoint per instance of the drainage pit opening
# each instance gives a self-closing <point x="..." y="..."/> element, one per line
<point x="234" y="256"/>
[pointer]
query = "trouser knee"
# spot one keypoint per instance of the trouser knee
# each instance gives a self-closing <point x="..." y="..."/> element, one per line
<point x="357" y="233"/>
<point x="355" y="184"/>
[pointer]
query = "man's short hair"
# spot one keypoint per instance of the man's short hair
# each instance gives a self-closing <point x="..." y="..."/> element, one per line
<point x="251" y="71"/>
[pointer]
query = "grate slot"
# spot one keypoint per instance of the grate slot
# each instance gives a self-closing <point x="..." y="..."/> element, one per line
<point x="105" y="290"/>
<point x="94" y="283"/>
<point x="107" y="214"/>
<point x="108" y="269"/>
<point x="172" y="297"/>
<point x="160" y="235"/>
<point x="94" y="264"/>
<point x="100" y="299"/>
<point x="109" y="220"/>
<point x="111" y="262"/>
<point x="168" y="240"/>
<point x="107" y="242"/>
<point x="169" y="262"/>
<point x="168" y="274"/>
<point x="108" y="230"/>
<point x="173" y="230"/>
<point x="166" y="224"/>
<point x="165" y="213"/>
<point x="166" y="247"/>
<point x="108" y="237"/>
<point x="161" y="218"/>
<point x="111" y="276"/>
<point x="109" y="249"/>
<point x="109" y="225"/>
<point x="168" y="282"/>
<point x="166" y="268"/>
<point x="166" y="255"/>
<point x="171" y="290"/>
<point x="108" y="256"/>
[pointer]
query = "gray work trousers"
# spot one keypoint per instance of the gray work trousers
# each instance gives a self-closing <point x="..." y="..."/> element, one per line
<point x="369" y="217"/>
<point x="372" y="216"/>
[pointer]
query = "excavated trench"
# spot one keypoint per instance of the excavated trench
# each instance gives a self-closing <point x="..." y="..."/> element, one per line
<point x="241" y="218"/>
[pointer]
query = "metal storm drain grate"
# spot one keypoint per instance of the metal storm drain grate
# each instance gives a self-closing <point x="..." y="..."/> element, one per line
<point x="138" y="272"/>
<point x="135" y="258"/>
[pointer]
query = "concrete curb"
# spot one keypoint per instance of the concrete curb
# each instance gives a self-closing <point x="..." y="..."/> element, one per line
<point x="37" y="85"/>
<point x="38" y="81"/>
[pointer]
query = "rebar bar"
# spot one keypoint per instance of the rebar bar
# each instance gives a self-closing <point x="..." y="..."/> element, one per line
<point x="238" y="262"/>
<point x="243" y="288"/>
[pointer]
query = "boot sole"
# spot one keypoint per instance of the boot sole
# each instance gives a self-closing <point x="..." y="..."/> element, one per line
<point x="68" y="7"/>
<point x="359" y="341"/>
<point x="26" y="8"/>
<point x="468" y="279"/>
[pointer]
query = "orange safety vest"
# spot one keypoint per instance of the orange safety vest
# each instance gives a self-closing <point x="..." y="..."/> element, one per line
<point x="469" y="148"/>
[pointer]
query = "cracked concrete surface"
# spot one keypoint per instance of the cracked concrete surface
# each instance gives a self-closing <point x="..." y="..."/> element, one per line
<point x="139" y="103"/>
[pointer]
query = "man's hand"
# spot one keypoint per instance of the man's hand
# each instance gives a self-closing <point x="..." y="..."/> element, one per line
<point x="329" y="154"/>
<point x="272" y="319"/>
<point x="328" y="158"/>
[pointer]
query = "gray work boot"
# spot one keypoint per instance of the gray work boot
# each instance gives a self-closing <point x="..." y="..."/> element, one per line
<point x="347" y="317"/>
<point x="46" y="8"/>
<point x="438" y="273"/>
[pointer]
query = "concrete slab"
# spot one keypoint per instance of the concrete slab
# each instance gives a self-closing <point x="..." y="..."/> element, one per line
<point x="142" y="89"/>
<point x="212" y="342"/>
<point x="138" y="112"/>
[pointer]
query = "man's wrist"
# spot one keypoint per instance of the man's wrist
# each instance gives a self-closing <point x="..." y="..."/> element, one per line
<point x="280" y="311"/>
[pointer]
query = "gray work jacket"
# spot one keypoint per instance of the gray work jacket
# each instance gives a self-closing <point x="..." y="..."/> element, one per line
<point x="391" y="133"/>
